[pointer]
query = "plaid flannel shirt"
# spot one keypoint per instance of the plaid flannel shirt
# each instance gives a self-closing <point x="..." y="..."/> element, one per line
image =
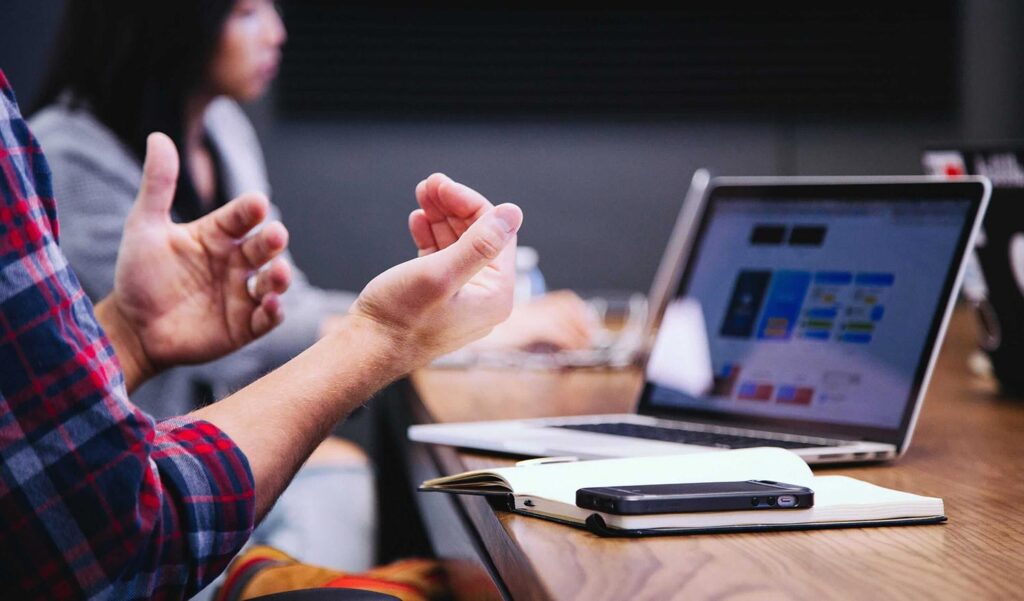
<point x="96" y="500"/>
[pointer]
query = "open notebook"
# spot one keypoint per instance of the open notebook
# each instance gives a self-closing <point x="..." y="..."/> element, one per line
<point x="549" y="491"/>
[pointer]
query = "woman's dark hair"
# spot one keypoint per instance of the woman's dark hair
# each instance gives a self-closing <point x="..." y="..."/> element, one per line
<point x="133" y="64"/>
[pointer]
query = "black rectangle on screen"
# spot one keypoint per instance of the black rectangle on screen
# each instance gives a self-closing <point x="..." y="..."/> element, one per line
<point x="807" y="235"/>
<point x="745" y="303"/>
<point x="766" y="233"/>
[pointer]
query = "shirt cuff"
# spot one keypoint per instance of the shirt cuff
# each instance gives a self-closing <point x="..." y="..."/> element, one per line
<point x="209" y="481"/>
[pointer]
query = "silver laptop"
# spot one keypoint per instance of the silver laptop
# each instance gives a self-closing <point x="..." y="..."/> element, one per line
<point x="808" y="315"/>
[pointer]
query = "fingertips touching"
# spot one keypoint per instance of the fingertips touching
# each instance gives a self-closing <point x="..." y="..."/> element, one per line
<point x="272" y="304"/>
<point x="268" y="315"/>
<point x="280" y="276"/>
<point x="422" y="236"/>
<point x="427" y="196"/>
<point x="276" y="235"/>
<point x="275" y="279"/>
<point x="255" y="207"/>
<point x="434" y="182"/>
<point x="238" y="217"/>
<point x="460" y="201"/>
<point x="265" y="245"/>
<point x="443" y="233"/>
<point x="440" y="229"/>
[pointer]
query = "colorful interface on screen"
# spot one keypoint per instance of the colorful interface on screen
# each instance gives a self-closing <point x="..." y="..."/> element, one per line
<point x="811" y="310"/>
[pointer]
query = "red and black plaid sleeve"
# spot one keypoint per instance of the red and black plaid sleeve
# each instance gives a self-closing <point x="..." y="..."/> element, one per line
<point x="96" y="500"/>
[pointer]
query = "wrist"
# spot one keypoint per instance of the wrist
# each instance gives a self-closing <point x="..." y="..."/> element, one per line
<point x="389" y="351"/>
<point x="128" y="347"/>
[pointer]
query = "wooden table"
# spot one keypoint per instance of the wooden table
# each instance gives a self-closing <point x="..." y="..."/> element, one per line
<point x="968" y="449"/>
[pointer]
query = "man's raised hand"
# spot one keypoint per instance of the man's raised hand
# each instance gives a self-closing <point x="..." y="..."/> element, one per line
<point x="187" y="293"/>
<point x="460" y="286"/>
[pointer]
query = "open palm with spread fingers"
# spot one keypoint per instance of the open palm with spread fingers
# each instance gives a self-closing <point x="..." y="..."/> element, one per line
<point x="461" y="284"/>
<point x="194" y="292"/>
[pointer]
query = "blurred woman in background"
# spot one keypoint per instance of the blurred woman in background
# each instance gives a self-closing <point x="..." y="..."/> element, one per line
<point x="123" y="69"/>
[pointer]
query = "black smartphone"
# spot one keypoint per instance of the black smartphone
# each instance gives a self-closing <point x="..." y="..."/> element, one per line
<point x="695" y="496"/>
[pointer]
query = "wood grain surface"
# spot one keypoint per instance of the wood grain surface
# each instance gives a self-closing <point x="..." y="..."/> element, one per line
<point x="968" y="449"/>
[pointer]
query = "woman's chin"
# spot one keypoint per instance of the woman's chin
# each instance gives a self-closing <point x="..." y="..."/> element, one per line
<point x="250" y="93"/>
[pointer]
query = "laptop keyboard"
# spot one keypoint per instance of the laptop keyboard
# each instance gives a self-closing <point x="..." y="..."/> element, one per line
<point x="707" y="439"/>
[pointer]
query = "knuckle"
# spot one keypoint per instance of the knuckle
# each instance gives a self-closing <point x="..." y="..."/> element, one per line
<point x="160" y="178"/>
<point x="487" y="245"/>
<point x="241" y="218"/>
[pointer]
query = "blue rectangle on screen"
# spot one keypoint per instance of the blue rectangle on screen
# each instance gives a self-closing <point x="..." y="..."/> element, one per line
<point x="877" y="312"/>
<point x="857" y="338"/>
<point x="875" y="279"/>
<point x="816" y="334"/>
<point x="822" y="313"/>
<point x="782" y="308"/>
<point x="835" y="278"/>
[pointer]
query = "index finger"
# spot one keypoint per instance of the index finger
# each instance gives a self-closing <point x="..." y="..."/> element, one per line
<point x="450" y="207"/>
<point x="238" y="217"/>
<point x="422" y="236"/>
<point x="435" y="219"/>
<point x="461" y="202"/>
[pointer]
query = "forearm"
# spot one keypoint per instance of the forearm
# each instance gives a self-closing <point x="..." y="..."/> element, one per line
<point x="278" y="420"/>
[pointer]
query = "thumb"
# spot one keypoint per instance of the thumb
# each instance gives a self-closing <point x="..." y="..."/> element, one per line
<point x="481" y="244"/>
<point x="159" y="176"/>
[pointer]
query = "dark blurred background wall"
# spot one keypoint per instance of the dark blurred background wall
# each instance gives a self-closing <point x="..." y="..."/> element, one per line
<point x="595" y="121"/>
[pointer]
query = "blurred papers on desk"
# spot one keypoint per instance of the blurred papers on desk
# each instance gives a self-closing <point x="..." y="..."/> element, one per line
<point x="620" y="344"/>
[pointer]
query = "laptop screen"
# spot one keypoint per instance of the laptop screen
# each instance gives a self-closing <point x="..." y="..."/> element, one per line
<point x="814" y="309"/>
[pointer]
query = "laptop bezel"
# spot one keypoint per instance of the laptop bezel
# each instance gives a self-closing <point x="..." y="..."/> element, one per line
<point x="973" y="189"/>
<point x="673" y="259"/>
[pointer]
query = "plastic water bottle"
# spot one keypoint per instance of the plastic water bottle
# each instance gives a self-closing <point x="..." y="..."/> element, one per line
<point x="529" y="279"/>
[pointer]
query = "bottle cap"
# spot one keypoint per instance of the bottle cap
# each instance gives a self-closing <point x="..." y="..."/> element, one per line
<point x="526" y="258"/>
